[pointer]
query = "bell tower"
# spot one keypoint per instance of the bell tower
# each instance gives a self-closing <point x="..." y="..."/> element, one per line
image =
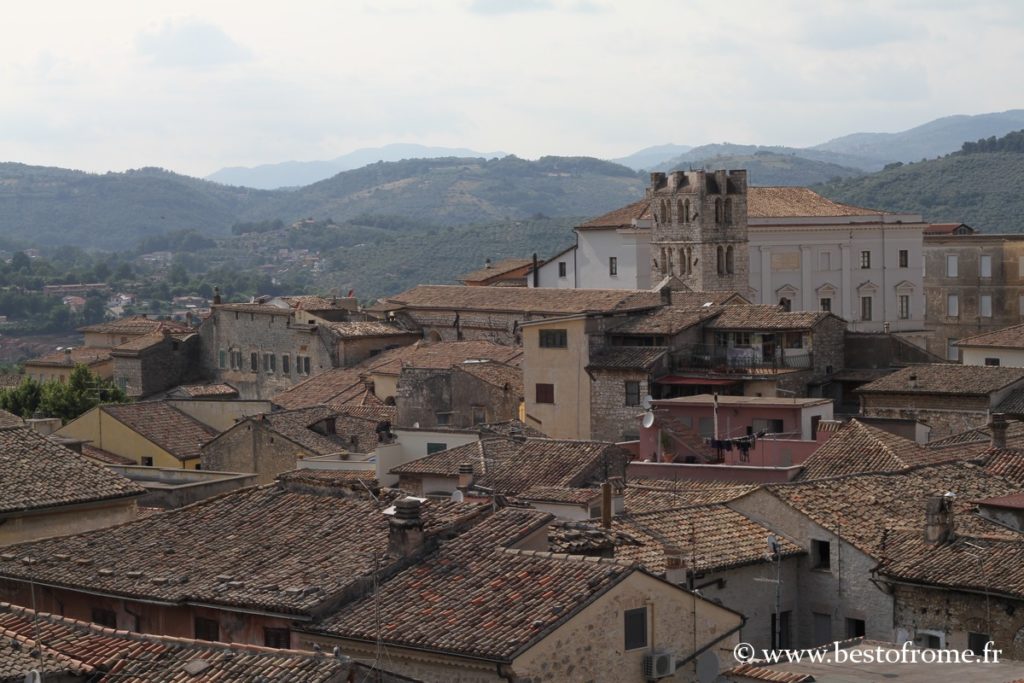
<point x="700" y="229"/>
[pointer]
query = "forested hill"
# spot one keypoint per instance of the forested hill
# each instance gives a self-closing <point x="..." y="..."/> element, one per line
<point x="53" y="206"/>
<point x="981" y="185"/>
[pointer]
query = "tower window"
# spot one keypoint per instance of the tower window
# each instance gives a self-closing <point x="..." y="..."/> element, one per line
<point x="680" y="211"/>
<point x="721" y="261"/>
<point x="686" y="211"/>
<point x="728" y="210"/>
<point x="729" y="255"/>
<point x="718" y="210"/>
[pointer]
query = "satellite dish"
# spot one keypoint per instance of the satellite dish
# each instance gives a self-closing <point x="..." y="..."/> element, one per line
<point x="645" y="402"/>
<point x="415" y="425"/>
<point x="648" y="420"/>
<point x="457" y="496"/>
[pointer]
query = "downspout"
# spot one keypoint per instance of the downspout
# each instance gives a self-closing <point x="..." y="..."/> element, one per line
<point x="536" y="275"/>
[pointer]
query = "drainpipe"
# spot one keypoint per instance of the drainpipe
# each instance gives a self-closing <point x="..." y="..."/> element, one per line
<point x="536" y="275"/>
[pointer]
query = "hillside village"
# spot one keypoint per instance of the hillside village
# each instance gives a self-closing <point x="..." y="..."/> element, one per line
<point x="728" y="414"/>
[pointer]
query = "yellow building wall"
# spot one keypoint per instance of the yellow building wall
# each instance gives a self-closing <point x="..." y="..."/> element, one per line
<point x="107" y="433"/>
<point x="384" y="385"/>
<point x="45" y="373"/>
<point x="66" y="522"/>
<point x="569" y="416"/>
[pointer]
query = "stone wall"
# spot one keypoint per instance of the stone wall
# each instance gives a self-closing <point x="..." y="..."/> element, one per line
<point x="166" y="365"/>
<point x="251" y="448"/>
<point x="611" y="418"/>
<point x="946" y="415"/>
<point x="353" y="351"/>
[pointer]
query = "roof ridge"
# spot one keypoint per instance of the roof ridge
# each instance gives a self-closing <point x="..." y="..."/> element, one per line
<point x="548" y="555"/>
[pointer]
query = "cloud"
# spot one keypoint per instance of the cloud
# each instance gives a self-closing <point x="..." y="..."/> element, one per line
<point x="190" y="44"/>
<point x="509" y="6"/>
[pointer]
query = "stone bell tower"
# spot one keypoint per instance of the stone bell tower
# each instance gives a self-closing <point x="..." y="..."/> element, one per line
<point x="700" y="229"/>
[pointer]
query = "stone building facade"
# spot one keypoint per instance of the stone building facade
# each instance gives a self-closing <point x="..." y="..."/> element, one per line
<point x="460" y="396"/>
<point x="155" y="363"/>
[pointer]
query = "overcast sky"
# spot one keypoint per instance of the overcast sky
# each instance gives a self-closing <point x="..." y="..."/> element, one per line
<point x="197" y="85"/>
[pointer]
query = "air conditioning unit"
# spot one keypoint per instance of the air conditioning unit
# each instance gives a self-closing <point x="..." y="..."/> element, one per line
<point x="659" y="665"/>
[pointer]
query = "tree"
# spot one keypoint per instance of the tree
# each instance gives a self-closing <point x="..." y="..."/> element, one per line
<point x="23" y="399"/>
<point x="20" y="262"/>
<point x="83" y="391"/>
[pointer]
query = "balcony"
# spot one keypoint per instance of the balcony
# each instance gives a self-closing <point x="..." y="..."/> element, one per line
<point x="740" y="360"/>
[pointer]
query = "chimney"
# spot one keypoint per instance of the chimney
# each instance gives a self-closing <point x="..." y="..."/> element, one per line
<point x="216" y="295"/>
<point x="405" y="531"/>
<point x="465" y="475"/>
<point x="606" y="505"/>
<point x="487" y="262"/>
<point x="675" y="565"/>
<point x="998" y="426"/>
<point x="536" y="272"/>
<point x="912" y="381"/>
<point x="938" y="519"/>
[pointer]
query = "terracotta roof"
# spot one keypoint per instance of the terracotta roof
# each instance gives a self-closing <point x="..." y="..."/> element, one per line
<point x="524" y="299"/>
<point x="105" y="457"/>
<point x="323" y="388"/>
<point x="765" y="317"/>
<point x="981" y="436"/>
<point x="585" y="538"/>
<point x="105" y="655"/>
<point x="68" y="358"/>
<point x="295" y="426"/>
<point x="509" y="466"/>
<point x="1013" y="404"/>
<point x="968" y="563"/>
<point x="785" y="202"/>
<point x="310" y="302"/>
<point x="620" y="218"/>
<point x="264" y="308"/>
<point x="441" y="355"/>
<point x="136" y="325"/>
<point x="1006" y="338"/>
<point x="176" y="432"/>
<point x="1007" y="463"/>
<point x="357" y="430"/>
<point x="367" y="328"/>
<point x="221" y="389"/>
<point x="477" y="597"/>
<point x="708" y="537"/>
<point x="857" y="447"/>
<point x="1014" y="501"/>
<point x="861" y="507"/>
<point x="658" y="495"/>
<point x="140" y="343"/>
<point x="9" y="420"/>
<point x="509" y="428"/>
<point x="497" y="374"/>
<point x="495" y="269"/>
<point x="945" y="378"/>
<point x="560" y="494"/>
<point x="754" y="672"/>
<point x="38" y="473"/>
<point x="627" y="357"/>
<point x="261" y="548"/>
<point x="945" y="228"/>
<point x="329" y="479"/>
<point x="667" y="320"/>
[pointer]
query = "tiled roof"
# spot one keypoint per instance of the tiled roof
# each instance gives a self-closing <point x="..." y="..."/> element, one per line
<point x="106" y="457"/>
<point x="510" y="466"/>
<point x="105" y="655"/>
<point x="9" y="420"/>
<point x="79" y="355"/>
<point x="753" y="672"/>
<point x="857" y="447"/>
<point x="765" y="317"/>
<point x="295" y="426"/>
<point x="560" y="494"/>
<point x="585" y="538"/>
<point x="323" y="388"/>
<point x="942" y="228"/>
<point x="784" y="202"/>
<point x="310" y="302"/>
<point x="140" y="343"/>
<point x="1013" y="404"/>
<point x="475" y="599"/>
<point x="709" y="538"/>
<point x="136" y="325"/>
<point x="357" y="429"/>
<point x="982" y="436"/>
<point x="1006" y="338"/>
<point x="1013" y="501"/>
<point x="668" y="320"/>
<point x="176" y="432"/>
<point x="207" y="390"/>
<point x="495" y="269"/>
<point x="37" y="473"/>
<point x="690" y="300"/>
<point x="627" y="357"/>
<point x="861" y="507"/>
<point x="329" y="479"/>
<point x="945" y="378"/>
<point x="1007" y="463"/>
<point x="621" y="217"/>
<point x="257" y="548"/>
<point x="441" y="355"/>
<point x="367" y="328"/>
<point x="509" y="428"/>
<point x="968" y="563"/>
<point x="265" y="309"/>
<point x="524" y="299"/>
<point x="495" y="373"/>
<point x="657" y="495"/>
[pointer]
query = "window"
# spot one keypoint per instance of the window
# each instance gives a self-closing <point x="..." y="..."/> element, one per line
<point x="721" y="260"/>
<point x="635" y="623"/>
<point x="952" y="351"/>
<point x="952" y="265"/>
<point x="280" y="638"/>
<point x="706" y="426"/>
<point x="302" y="365"/>
<point x="286" y="363"/>
<point x="561" y="269"/>
<point x="767" y="426"/>
<point x="865" y="259"/>
<point x="479" y="415"/>
<point x="953" y="305"/>
<point x="443" y="419"/>
<point x="554" y="339"/>
<point x="977" y="642"/>
<point x="728" y="210"/>
<point x="632" y="393"/>
<point x="718" y="210"/>
<point x="545" y="393"/>
<point x="904" y="306"/>
<point x="147" y="461"/>
<point x="904" y="258"/>
<point x="932" y="641"/>
<point x="104" y="617"/>
<point x="254" y="362"/>
<point x="825" y="304"/>
<point x="985" y="306"/>
<point x="207" y="629"/>
<point x="985" y="266"/>
<point x="436" y="447"/>
<point x="613" y="265"/>
<point x="865" y="308"/>
<point x="730" y="260"/>
<point x="855" y="628"/>
<point x="993" y="362"/>
<point x="785" y="304"/>
<point x="222" y="359"/>
<point x="821" y="554"/>
<point x="269" y="363"/>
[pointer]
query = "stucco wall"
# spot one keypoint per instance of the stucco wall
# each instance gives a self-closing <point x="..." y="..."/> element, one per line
<point x="107" y="433"/>
<point x="569" y="416"/>
<point x="57" y="522"/>
<point x="249" y="447"/>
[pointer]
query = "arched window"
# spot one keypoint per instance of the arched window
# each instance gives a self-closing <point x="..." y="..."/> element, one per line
<point x="729" y="260"/>
<point x="686" y="211"/>
<point x="680" y="216"/>
<point x="721" y="261"/>
<point x="684" y="265"/>
<point x="666" y="217"/>
<point x="718" y="210"/>
<point x="728" y="210"/>
<point x="664" y="261"/>
<point x="786" y="304"/>
<point x="689" y="259"/>
<point x="670" y="270"/>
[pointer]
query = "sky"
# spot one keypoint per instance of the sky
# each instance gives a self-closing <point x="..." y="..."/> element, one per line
<point x="194" y="86"/>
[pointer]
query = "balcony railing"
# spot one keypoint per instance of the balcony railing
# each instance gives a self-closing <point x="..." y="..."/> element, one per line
<point x="740" y="359"/>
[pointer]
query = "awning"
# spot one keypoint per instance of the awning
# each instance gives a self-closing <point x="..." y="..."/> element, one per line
<point x="695" y="381"/>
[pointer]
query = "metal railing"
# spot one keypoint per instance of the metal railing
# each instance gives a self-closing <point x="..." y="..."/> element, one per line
<point x="739" y="358"/>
